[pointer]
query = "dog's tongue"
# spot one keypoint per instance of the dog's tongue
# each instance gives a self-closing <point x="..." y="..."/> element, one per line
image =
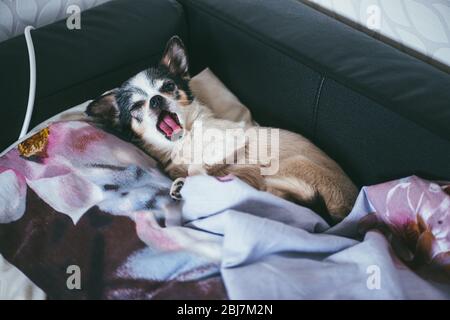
<point x="169" y="125"/>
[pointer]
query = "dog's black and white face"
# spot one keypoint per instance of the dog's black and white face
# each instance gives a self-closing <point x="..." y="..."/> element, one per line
<point x="153" y="103"/>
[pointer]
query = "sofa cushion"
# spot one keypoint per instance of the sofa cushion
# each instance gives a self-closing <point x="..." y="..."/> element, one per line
<point x="376" y="143"/>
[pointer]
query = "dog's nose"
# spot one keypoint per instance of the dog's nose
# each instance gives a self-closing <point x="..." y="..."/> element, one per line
<point x="156" y="101"/>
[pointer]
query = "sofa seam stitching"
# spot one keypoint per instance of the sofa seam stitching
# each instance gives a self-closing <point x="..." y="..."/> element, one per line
<point x="316" y="107"/>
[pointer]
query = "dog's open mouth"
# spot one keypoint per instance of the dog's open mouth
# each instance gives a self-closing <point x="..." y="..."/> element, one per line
<point x="168" y="124"/>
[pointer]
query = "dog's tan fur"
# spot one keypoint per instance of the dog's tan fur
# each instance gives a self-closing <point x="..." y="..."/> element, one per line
<point x="304" y="170"/>
<point x="305" y="173"/>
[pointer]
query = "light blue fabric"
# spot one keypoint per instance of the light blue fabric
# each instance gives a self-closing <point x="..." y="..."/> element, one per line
<point x="274" y="249"/>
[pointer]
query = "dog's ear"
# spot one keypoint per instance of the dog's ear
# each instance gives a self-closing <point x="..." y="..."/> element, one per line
<point x="175" y="57"/>
<point x="105" y="109"/>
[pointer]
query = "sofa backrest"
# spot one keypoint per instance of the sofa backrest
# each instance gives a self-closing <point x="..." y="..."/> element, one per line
<point x="379" y="112"/>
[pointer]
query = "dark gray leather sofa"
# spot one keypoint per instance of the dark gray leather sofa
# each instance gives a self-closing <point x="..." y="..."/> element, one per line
<point x="379" y="112"/>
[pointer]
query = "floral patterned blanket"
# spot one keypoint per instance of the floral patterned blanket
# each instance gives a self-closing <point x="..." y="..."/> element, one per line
<point x="415" y="214"/>
<point x="86" y="215"/>
<point x="83" y="215"/>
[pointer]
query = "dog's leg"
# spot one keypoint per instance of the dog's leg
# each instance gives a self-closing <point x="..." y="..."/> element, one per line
<point x="247" y="173"/>
<point x="175" y="189"/>
<point x="196" y="169"/>
<point x="180" y="174"/>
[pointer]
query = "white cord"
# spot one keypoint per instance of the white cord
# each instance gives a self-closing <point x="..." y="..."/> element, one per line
<point x="32" y="90"/>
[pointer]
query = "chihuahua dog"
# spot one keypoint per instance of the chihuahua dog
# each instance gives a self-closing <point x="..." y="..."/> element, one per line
<point x="157" y="108"/>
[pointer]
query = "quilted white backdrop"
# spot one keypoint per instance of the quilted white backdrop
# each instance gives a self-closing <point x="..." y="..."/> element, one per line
<point x="422" y="25"/>
<point x="16" y="14"/>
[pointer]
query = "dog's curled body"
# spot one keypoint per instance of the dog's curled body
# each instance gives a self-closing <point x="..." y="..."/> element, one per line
<point x="305" y="174"/>
<point x="157" y="103"/>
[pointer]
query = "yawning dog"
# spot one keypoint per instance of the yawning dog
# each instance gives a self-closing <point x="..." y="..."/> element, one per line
<point x="158" y="109"/>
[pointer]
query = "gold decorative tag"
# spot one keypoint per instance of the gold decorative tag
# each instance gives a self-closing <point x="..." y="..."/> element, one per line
<point x="34" y="145"/>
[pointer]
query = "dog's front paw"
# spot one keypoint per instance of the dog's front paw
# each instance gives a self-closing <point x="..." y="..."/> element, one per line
<point x="175" y="189"/>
